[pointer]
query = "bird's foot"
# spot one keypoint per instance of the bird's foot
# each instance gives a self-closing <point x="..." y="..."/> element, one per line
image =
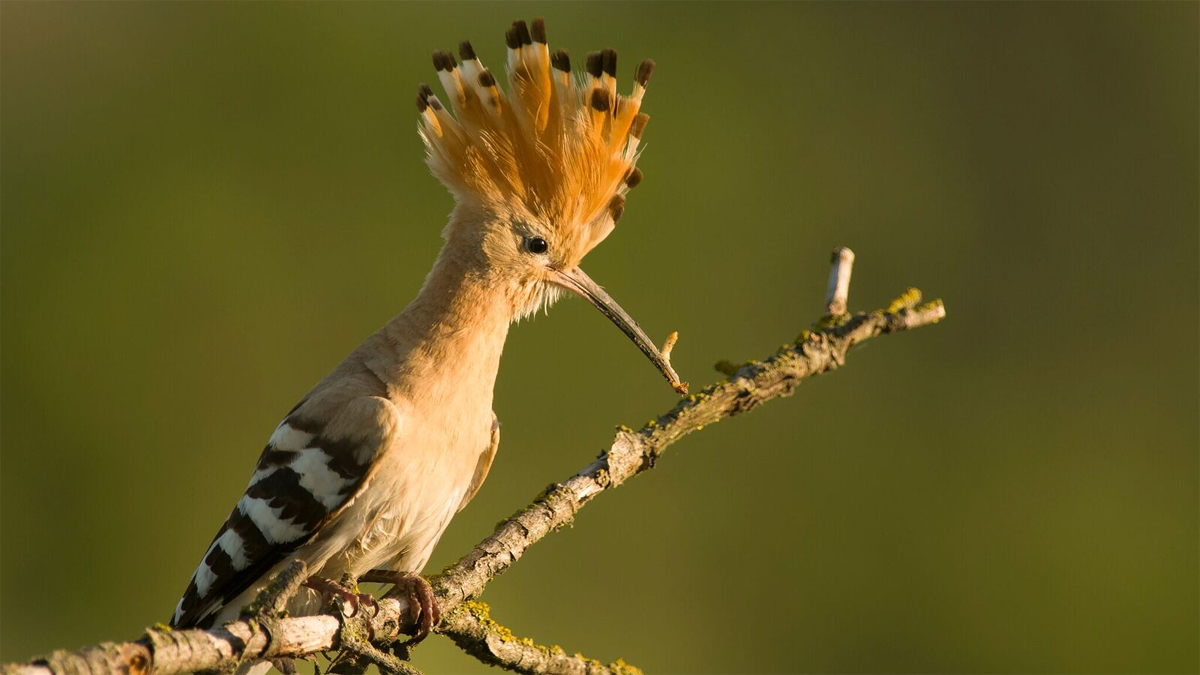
<point x="330" y="589"/>
<point x="419" y="594"/>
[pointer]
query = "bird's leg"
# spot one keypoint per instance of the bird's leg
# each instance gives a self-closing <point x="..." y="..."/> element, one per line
<point x="329" y="588"/>
<point x="419" y="594"/>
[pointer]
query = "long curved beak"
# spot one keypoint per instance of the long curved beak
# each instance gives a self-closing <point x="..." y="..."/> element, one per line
<point x="581" y="284"/>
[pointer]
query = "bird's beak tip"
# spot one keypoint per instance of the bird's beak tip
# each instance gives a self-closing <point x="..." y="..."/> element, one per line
<point x="581" y="284"/>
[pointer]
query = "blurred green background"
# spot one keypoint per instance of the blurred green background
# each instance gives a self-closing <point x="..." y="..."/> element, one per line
<point x="206" y="206"/>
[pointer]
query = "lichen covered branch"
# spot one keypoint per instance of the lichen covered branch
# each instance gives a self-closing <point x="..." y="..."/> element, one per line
<point x="264" y="634"/>
<point x="472" y="628"/>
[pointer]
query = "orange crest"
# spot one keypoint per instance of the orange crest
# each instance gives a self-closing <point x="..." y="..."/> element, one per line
<point x="554" y="150"/>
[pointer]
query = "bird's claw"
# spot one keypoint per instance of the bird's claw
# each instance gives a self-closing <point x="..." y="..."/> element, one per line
<point x="330" y="589"/>
<point x="414" y="588"/>
<point x="368" y="600"/>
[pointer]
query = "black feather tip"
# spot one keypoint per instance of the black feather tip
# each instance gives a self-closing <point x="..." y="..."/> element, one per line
<point x="561" y="60"/>
<point x="595" y="64"/>
<point x="423" y="94"/>
<point x="601" y="100"/>
<point x="538" y="30"/>
<point x="608" y="58"/>
<point x="466" y="52"/>
<point x="521" y="29"/>
<point x="616" y="207"/>
<point x="638" y="127"/>
<point x="644" y="70"/>
<point x="444" y="60"/>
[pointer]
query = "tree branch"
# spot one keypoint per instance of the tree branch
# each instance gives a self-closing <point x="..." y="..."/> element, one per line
<point x="471" y="627"/>
<point x="265" y="635"/>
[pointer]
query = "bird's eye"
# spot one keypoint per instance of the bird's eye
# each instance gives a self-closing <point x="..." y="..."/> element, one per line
<point x="536" y="245"/>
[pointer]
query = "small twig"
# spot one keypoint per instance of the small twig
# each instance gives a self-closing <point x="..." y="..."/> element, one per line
<point x="838" y="295"/>
<point x="668" y="345"/>
<point x="679" y="386"/>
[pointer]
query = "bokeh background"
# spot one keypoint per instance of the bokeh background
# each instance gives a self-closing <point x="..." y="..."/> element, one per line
<point x="206" y="206"/>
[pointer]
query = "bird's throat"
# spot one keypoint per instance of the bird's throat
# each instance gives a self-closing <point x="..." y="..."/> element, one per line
<point x="451" y="336"/>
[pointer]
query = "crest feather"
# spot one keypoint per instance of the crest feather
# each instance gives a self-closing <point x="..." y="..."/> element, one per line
<point x="554" y="148"/>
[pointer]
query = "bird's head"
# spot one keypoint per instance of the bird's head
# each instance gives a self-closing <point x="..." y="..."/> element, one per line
<point x="539" y="173"/>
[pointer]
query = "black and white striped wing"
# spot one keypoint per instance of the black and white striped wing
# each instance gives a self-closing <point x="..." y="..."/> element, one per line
<point x="307" y="473"/>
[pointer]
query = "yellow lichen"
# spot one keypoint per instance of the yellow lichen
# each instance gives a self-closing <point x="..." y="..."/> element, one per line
<point x="619" y="667"/>
<point x="907" y="300"/>
<point x="593" y="664"/>
<point x="481" y="612"/>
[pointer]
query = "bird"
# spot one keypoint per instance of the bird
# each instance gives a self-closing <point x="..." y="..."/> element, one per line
<point x="364" y="474"/>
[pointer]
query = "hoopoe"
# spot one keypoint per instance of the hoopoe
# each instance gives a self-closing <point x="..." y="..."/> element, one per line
<point x="366" y="471"/>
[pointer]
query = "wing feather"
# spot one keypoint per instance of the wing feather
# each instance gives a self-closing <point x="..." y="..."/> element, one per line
<point x="309" y="471"/>
<point x="485" y="464"/>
